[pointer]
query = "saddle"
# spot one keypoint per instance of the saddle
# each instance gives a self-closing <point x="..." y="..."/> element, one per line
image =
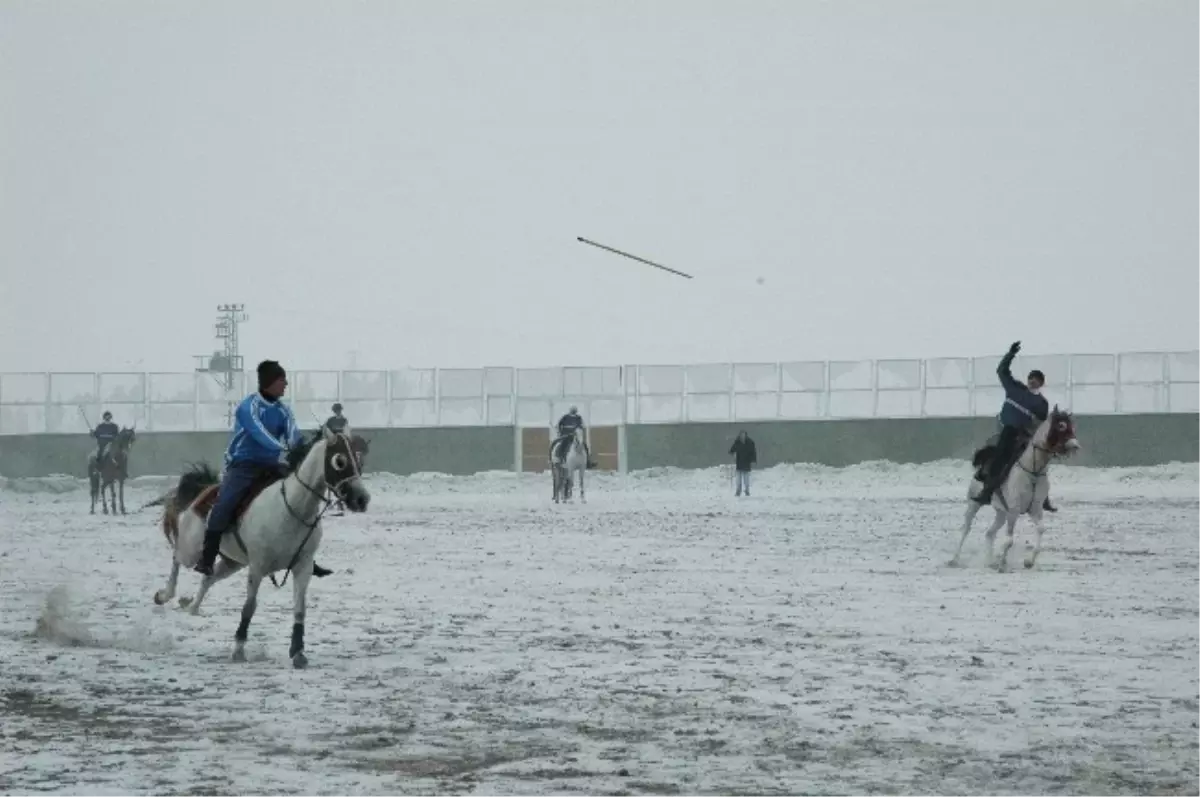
<point x="207" y="499"/>
<point x="983" y="457"/>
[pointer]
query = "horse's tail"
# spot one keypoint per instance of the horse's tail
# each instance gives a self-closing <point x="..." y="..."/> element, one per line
<point x="982" y="456"/>
<point x="195" y="480"/>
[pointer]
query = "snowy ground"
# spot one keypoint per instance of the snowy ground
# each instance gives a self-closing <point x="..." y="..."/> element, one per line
<point x="664" y="638"/>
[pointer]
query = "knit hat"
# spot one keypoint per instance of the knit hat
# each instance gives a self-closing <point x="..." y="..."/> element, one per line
<point x="268" y="372"/>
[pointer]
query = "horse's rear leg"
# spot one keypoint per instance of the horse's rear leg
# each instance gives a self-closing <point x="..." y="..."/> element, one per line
<point x="121" y="485"/>
<point x="582" y="494"/>
<point x="973" y="508"/>
<point x="243" y="629"/>
<point x="302" y="575"/>
<point x="165" y="595"/>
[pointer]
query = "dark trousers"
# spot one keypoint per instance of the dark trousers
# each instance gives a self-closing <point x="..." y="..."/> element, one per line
<point x="1010" y="438"/>
<point x="237" y="480"/>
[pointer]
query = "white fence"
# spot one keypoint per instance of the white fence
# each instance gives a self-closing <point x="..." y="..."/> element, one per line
<point x="1087" y="383"/>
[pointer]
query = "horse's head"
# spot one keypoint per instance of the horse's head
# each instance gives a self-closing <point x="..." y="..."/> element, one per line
<point x="125" y="438"/>
<point x="578" y="437"/>
<point x="1058" y="433"/>
<point x="343" y="471"/>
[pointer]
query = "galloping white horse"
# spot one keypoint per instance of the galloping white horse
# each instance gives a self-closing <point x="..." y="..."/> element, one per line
<point x="563" y="471"/>
<point x="1025" y="488"/>
<point x="279" y="529"/>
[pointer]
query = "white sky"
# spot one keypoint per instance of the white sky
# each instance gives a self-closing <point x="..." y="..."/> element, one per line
<point x="407" y="179"/>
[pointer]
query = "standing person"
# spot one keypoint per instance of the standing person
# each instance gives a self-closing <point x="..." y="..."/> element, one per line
<point x="745" y="455"/>
<point x="337" y="422"/>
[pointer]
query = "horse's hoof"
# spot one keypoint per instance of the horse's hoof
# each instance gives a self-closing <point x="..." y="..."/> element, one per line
<point x="953" y="562"/>
<point x="299" y="661"/>
<point x="159" y="600"/>
<point x="1028" y="564"/>
<point x="239" y="655"/>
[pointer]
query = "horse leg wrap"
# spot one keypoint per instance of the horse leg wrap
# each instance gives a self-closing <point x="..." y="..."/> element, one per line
<point x="297" y="639"/>
<point x="244" y="626"/>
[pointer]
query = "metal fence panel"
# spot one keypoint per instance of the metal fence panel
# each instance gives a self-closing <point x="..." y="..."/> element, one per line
<point x="948" y="372"/>
<point x="803" y="377"/>
<point x="850" y="375"/>
<point x="32" y="403"/>
<point x="358" y="386"/>
<point x="23" y="388"/>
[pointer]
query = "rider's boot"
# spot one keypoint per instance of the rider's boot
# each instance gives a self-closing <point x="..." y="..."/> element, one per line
<point x="212" y="546"/>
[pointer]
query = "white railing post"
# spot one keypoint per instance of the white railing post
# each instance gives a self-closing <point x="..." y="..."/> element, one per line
<point x="1166" y="381"/>
<point x="778" y="390"/>
<point x="1117" y="384"/>
<point x="437" y="397"/>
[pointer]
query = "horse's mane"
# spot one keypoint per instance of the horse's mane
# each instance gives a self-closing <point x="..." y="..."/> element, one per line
<point x="299" y="451"/>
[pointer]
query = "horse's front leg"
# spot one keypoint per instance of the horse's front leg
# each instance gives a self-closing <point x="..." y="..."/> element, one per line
<point x="223" y="570"/>
<point x="1031" y="554"/>
<point x="121" y="485"/>
<point x="165" y="595"/>
<point x="253" y="582"/>
<point x="582" y="492"/>
<point x="302" y="575"/>
<point x="1010" y="528"/>
<point x="973" y="508"/>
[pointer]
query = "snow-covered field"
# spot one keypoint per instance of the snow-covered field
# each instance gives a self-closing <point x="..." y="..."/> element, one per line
<point x="663" y="638"/>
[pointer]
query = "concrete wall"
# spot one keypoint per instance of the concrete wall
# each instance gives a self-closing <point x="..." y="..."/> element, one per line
<point x="445" y="450"/>
<point x="1108" y="440"/>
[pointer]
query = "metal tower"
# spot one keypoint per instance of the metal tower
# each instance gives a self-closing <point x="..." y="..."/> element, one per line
<point x="224" y="366"/>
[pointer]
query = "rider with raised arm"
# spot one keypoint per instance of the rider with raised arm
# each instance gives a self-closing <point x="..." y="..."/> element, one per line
<point x="337" y="422"/>
<point x="264" y="430"/>
<point x="567" y="425"/>
<point x="1023" y="410"/>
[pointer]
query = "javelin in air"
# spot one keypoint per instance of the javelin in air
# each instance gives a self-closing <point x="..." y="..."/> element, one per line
<point x="633" y="257"/>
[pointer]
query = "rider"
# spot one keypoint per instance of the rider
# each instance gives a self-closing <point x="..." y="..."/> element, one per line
<point x="105" y="433"/>
<point x="567" y="425"/>
<point x="263" y="431"/>
<point x="337" y="422"/>
<point x="1024" y="408"/>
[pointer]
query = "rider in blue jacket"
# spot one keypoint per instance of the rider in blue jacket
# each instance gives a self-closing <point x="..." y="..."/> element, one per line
<point x="264" y="430"/>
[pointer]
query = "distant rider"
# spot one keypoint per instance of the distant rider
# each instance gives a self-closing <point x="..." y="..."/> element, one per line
<point x="1024" y="409"/>
<point x="105" y="434"/>
<point x="337" y="422"/>
<point x="567" y="425"/>
<point x="264" y="429"/>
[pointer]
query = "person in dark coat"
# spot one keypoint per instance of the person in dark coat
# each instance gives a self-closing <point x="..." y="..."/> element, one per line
<point x="744" y="457"/>
<point x="1024" y="409"/>
<point x="337" y="422"/>
<point x="105" y="434"/>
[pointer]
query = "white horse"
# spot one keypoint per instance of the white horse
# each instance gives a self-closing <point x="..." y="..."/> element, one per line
<point x="1024" y="490"/>
<point x="279" y="529"/>
<point x="563" y="471"/>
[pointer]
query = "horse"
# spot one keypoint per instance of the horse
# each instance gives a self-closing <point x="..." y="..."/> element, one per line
<point x="111" y="469"/>
<point x="562" y="471"/>
<point x="274" y="529"/>
<point x="1023" y="490"/>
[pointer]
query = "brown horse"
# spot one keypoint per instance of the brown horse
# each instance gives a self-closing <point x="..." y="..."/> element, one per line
<point x="110" y="470"/>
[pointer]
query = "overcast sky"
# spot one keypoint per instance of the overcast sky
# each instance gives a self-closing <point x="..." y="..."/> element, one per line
<point x="406" y="180"/>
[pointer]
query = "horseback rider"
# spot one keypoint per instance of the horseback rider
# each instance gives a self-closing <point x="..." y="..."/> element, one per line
<point x="1024" y="409"/>
<point x="105" y="433"/>
<point x="567" y="425"/>
<point x="337" y="422"/>
<point x="264" y="430"/>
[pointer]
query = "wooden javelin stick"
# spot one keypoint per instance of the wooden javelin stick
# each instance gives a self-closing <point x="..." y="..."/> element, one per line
<point x="632" y="257"/>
